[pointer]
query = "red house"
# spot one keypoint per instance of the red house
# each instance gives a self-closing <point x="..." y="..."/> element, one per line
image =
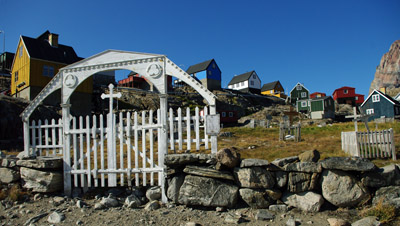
<point x="137" y="81"/>
<point x="317" y="94"/>
<point x="347" y="95"/>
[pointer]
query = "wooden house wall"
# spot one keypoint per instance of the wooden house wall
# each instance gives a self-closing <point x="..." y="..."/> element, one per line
<point x="22" y="66"/>
<point x="381" y="108"/>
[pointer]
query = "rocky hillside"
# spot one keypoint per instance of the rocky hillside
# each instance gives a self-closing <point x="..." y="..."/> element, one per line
<point x="388" y="71"/>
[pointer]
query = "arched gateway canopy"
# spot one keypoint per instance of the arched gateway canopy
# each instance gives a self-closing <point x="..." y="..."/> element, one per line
<point x="153" y="67"/>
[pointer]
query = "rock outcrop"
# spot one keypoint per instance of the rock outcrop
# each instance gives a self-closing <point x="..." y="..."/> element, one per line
<point x="388" y="71"/>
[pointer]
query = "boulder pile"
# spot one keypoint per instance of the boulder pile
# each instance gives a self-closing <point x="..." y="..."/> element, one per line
<point x="304" y="182"/>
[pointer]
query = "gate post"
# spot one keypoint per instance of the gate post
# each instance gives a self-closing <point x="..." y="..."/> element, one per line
<point x="214" y="140"/>
<point x="26" y="137"/>
<point x="66" y="149"/>
<point x="163" y="145"/>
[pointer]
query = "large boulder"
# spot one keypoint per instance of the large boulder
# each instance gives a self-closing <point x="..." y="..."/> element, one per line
<point x="228" y="157"/>
<point x="8" y="175"/>
<point x="256" y="198"/>
<point x="281" y="178"/>
<point x="300" y="182"/>
<point x="208" y="172"/>
<point x="42" y="162"/>
<point x="282" y="162"/>
<point x="382" y="177"/>
<point x="183" y="159"/>
<point x="342" y="189"/>
<point x="174" y="185"/>
<point x="388" y="195"/>
<point x="254" y="177"/>
<point x="309" y="156"/>
<point x="253" y="162"/>
<point x="305" y="201"/>
<point x="348" y="164"/>
<point x="41" y="181"/>
<point x="307" y="167"/>
<point x="203" y="191"/>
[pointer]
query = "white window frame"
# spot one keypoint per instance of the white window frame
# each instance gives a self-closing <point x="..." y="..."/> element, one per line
<point x="303" y="94"/>
<point x="304" y="104"/>
<point x="252" y="83"/>
<point x="345" y="91"/>
<point x="298" y="87"/>
<point x="242" y="83"/>
<point x="230" y="114"/>
<point x="375" y="98"/>
<point x="369" y="111"/>
<point x="223" y="114"/>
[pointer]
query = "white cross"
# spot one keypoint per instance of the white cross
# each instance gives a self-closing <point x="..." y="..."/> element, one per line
<point x="361" y="117"/>
<point x="111" y="96"/>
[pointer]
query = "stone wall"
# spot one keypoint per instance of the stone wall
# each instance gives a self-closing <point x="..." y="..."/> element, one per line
<point x="303" y="182"/>
<point x="43" y="174"/>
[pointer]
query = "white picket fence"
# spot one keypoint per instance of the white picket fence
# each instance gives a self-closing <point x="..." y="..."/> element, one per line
<point x="134" y="157"/>
<point x="373" y="144"/>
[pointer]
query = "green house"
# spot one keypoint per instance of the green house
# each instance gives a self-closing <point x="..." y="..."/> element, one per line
<point x="322" y="107"/>
<point x="299" y="92"/>
<point x="303" y="106"/>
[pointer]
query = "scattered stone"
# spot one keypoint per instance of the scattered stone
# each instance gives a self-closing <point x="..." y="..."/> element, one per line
<point x="35" y="219"/>
<point x="367" y="221"/>
<point x="233" y="219"/>
<point x="80" y="204"/>
<point x="220" y="209"/>
<point x="253" y="162"/>
<point x="192" y="224"/>
<point x="58" y="200"/>
<point x="382" y="177"/>
<point x="309" y="156"/>
<point x="306" y="201"/>
<point x="132" y="201"/>
<point x="338" y="222"/>
<point x="228" y="157"/>
<point x="207" y="172"/>
<point x="254" y="177"/>
<point x="9" y="163"/>
<point x="37" y="197"/>
<point x="41" y="181"/>
<point x="152" y="205"/>
<point x="109" y="202"/>
<point x="388" y="196"/>
<point x="264" y="215"/>
<point x="278" y="208"/>
<point x="8" y="175"/>
<point x="205" y="191"/>
<point x="348" y="164"/>
<point x="342" y="189"/>
<point x="56" y="218"/>
<point x="291" y="222"/>
<point x="174" y="186"/>
<point x="79" y="222"/>
<point x="99" y="206"/>
<point x="153" y="193"/>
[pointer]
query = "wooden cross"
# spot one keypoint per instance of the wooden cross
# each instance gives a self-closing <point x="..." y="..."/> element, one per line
<point x="111" y="142"/>
<point x="291" y="114"/>
<point x="361" y="117"/>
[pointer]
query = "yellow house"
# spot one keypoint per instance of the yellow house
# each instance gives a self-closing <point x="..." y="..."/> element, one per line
<point x="273" y="89"/>
<point x="36" y="62"/>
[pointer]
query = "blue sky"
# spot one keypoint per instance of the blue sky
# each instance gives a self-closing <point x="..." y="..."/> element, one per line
<point x="323" y="44"/>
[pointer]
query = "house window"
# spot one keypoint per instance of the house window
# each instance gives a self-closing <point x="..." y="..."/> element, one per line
<point x="21" y="51"/>
<point x="375" y="98"/>
<point x="214" y="66"/>
<point x="252" y="83"/>
<point x="345" y="91"/>
<point x="370" y="111"/>
<point x="304" y="104"/>
<point x="223" y="114"/>
<point x="356" y="97"/>
<point x="242" y="83"/>
<point x="16" y="76"/>
<point x="48" y="71"/>
<point x="230" y="114"/>
<point x="209" y="72"/>
<point x="271" y="92"/>
<point x="254" y="76"/>
<point x="298" y="87"/>
<point x="303" y="94"/>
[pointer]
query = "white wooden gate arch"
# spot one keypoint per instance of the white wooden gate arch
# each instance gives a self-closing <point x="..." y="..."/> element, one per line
<point x="153" y="67"/>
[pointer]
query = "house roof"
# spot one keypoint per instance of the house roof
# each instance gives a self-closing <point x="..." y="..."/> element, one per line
<point x="344" y="87"/>
<point x="269" y="86"/>
<point x="397" y="97"/>
<point x="321" y="98"/>
<point x="199" y="67"/>
<point x="241" y="78"/>
<point x="389" y="98"/>
<point x="40" y="48"/>
<point x="301" y="85"/>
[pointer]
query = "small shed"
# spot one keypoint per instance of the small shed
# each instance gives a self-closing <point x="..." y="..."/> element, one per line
<point x="208" y="73"/>
<point x="248" y="82"/>
<point x="380" y="105"/>
<point x="273" y="89"/>
<point x="322" y="107"/>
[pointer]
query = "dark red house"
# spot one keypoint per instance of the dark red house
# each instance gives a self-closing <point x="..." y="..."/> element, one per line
<point x="317" y="94"/>
<point x="347" y="95"/>
<point x="137" y="81"/>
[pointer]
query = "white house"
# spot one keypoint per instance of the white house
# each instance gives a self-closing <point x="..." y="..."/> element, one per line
<point x="248" y="82"/>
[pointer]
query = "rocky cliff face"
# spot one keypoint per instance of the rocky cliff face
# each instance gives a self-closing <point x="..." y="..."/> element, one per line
<point x="388" y="72"/>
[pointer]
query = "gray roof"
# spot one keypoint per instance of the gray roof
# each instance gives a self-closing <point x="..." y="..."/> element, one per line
<point x="241" y="78"/>
<point x="269" y="86"/>
<point x="199" y="67"/>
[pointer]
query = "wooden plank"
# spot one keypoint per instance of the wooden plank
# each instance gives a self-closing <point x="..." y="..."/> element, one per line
<point x="95" y="161"/>
<point x="88" y="152"/>
<point x="75" y="151"/>
<point x="40" y="136"/>
<point x="180" y="129"/>
<point x="171" y="130"/>
<point x="188" y="130"/>
<point x="151" y="148"/>
<point x="384" y="136"/>
<point x="121" y="147"/>
<point x="159" y="146"/>
<point x="135" y="120"/>
<point x="81" y="155"/>
<point x="103" y="184"/>
<point x="144" y="157"/>
<point x="205" y="128"/>
<point x="60" y="133"/>
<point x="33" y="132"/>
<point x="394" y="157"/>
<point x="129" y="146"/>
<point x="197" y="128"/>
<point x="46" y="136"/>
<point x="53" y="135"/>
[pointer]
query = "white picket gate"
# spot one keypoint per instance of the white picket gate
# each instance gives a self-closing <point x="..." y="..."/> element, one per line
<point x="127" y="155"/>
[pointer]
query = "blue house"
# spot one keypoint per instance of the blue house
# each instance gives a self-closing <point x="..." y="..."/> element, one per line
<point x="380" y="105"/>
<point x="208" y="73"/>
